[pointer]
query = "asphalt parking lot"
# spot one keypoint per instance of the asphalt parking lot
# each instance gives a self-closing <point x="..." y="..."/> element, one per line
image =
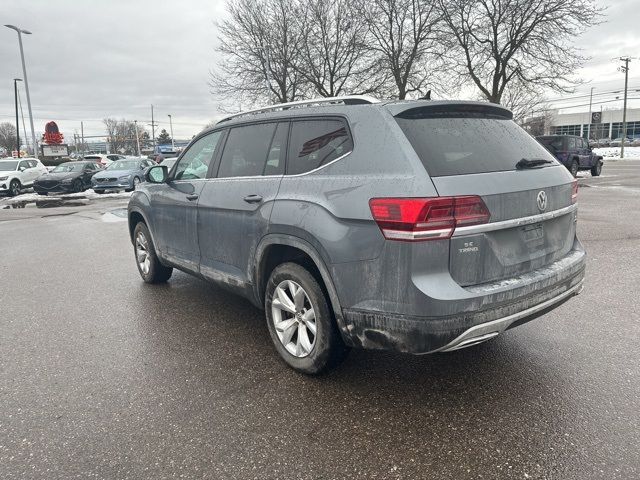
<point x="103" y="376"/>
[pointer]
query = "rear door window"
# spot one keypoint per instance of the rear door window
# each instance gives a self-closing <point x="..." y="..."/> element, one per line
<point x="315" y="143"/>
<point x="463" y="145"/>
<point x="246" y="151"/>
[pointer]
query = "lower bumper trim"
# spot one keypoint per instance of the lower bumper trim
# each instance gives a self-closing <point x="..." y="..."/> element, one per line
<point x="488" y="330"/>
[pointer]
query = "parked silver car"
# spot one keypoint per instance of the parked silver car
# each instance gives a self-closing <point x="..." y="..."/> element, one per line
<point x="120" y="175"/>
<point x="417" y="226"/>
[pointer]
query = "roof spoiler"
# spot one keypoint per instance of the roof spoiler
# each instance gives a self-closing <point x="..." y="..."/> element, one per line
<point x="453" y="109"/>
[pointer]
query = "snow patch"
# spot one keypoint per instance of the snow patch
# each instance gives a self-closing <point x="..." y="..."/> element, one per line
<point x="630" y="153"/>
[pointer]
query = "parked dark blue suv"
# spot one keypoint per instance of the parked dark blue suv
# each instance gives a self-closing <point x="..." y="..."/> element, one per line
<point x="573" y="152"/>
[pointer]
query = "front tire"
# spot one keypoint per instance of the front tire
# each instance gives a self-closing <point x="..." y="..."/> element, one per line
<point x="596" y="170"/>
<point x="300" y="321"/>
<point x="77" y="186"/>
<point x="149" y="267"/>
<point x="14" y="187"/>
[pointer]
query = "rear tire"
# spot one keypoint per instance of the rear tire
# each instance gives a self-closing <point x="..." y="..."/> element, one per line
<point x="302" y="326"/>
<point x="574" y="169"/>
<point x="149" y="267"/>
<point x="596" y="170"/>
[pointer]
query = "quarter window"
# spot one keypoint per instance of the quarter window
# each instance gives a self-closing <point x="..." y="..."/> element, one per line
<point x="315" y="143"/>
<point x="247" y="150"/>
<point x="195" y="162"/>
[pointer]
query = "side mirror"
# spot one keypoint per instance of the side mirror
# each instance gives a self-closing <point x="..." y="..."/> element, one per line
<point x="157" y="174"/>
<point x="22" y="169"/>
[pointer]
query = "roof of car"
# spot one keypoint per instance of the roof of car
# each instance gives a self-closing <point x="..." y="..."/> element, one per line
<point x="326" y="107"/>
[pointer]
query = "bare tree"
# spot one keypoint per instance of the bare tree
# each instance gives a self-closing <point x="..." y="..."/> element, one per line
<point x="7" y="136"/>
<point x="526" y="41"/>
<point x="121" y="135"/>
<point x="259" y="44"/>
<point x="524" y="100"/>
<point x="334" y="56"/>
<point x="407" y="37"/>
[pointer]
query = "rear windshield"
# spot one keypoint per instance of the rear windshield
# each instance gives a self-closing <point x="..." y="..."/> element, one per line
<point x="461" y="145"/>
<point x="554" y="142"/>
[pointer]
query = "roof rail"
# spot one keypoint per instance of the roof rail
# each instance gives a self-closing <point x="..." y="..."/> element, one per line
<point x="346" y="100"/>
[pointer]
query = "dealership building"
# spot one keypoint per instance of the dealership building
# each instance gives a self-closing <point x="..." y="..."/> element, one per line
<point x="604" y="124"/>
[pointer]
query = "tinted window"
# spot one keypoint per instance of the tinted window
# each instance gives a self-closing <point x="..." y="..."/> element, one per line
<point x="195" y="161"/>
<point x="277" y="151"/>
<point x="554" y="143"/>
<point x="246" y="150"/>
<point x="32" y="163"/>
<point x="315" y="143"/>
<point x="24" y="164"/>
<point x="460" y="145"/>
<point x="572" y="143"/>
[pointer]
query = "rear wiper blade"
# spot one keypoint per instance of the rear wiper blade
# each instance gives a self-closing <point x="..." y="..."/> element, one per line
<point x="532" y="163"/>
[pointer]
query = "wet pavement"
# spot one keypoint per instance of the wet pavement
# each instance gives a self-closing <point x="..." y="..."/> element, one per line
<point x="102" y="376"/>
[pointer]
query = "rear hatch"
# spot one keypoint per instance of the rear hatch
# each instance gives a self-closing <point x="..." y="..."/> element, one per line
<point x="476" y="149"/>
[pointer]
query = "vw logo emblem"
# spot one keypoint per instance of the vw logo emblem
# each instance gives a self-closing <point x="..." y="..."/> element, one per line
<point x="542" y="200"/>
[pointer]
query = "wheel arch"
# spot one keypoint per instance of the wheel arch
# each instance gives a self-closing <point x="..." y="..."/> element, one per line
<point x="275" y="249"/>
<point x="136" y="215"/>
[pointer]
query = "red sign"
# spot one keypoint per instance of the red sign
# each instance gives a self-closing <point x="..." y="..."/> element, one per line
<point x="52" y="135"/>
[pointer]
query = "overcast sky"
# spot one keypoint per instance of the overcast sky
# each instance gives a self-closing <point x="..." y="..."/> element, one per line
<point x="88" y="60"/>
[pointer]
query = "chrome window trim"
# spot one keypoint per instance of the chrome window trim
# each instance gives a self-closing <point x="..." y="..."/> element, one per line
<point x="321" y="166"/>
<point x="284" y="174"/>
<point x="515" y="222"/>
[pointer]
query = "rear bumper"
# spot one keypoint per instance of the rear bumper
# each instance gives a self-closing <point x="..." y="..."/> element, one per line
<point x="505" y="305"/>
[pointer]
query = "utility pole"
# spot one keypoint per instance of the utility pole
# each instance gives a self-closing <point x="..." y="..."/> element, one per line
<point x="625" y="69"/>
<point x="173" y="144"/>
<point x="153" y="131"/>
<point x="82" y="133"/>
<point x="135" y="122"/>
<point x="15" y="92"/>
<point x="589" y="125"/>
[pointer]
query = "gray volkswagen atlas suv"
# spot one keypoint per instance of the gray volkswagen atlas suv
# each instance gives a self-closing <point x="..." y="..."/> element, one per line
<point x="418" y="226"/>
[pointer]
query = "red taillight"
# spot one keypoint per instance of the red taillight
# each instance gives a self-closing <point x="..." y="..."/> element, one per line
<point x="414" y="219"/>
<point x="574" y="191"/>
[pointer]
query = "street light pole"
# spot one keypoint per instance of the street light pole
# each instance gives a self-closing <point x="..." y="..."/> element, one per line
<point x="15" y="92"/>
<point x="173" y="144"/>
<point x="20" y="31"/>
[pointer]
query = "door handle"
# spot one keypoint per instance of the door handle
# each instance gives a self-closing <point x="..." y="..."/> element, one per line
<point x="253" y="199"/>
<point x="192" y="197"/>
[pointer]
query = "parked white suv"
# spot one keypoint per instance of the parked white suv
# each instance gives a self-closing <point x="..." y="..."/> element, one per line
<point x="16" y="174"/>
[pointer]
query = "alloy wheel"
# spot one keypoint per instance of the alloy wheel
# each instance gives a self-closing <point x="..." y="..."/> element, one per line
<point x="294" y="318"/>
<point x="142" y="253"/>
